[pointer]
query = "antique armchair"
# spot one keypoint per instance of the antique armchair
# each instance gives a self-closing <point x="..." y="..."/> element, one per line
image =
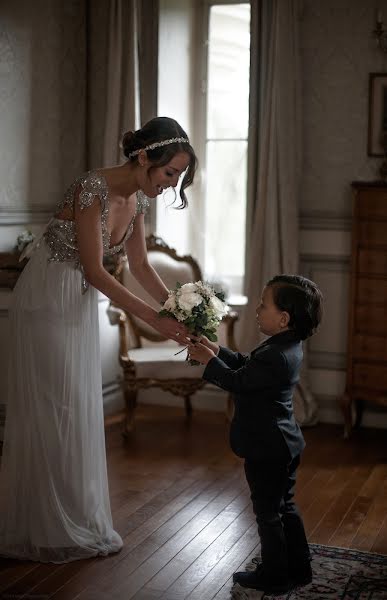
<point x="149" y="360"/>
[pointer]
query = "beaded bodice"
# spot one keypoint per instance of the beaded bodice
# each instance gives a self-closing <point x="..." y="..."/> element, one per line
<point x="60" y="235"/>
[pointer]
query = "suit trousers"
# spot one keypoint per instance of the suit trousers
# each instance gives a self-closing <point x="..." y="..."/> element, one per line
<point x="284" y="547"/>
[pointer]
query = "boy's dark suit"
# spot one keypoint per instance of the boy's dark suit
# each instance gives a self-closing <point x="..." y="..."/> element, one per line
<point x="264" y="432"/>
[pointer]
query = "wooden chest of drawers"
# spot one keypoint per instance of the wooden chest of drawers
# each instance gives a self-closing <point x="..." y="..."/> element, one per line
<point x="367" y="330"/>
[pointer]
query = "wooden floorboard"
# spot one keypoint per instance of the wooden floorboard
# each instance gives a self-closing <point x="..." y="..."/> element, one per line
<point x="326" y="529"/>
<point x="180" y="502"/>
<point x="197" y="567"/>
<point x="189" y="523"/>
<point x="196" y="547"/>
<point x="372" y="524"/>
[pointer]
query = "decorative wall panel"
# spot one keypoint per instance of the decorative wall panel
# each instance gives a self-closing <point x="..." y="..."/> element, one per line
<point x="338" y="53"/>
<point x="42" y="101"/>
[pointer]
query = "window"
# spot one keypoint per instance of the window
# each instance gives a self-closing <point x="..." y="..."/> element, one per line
<point x="224" y="132"/>
<point x="204" y="72"/>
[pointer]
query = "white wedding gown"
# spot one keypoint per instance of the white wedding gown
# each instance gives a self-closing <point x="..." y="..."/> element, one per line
<point x="54" y="501"/>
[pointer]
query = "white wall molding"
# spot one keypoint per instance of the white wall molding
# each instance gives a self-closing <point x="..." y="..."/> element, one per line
<point x="325" y="220"/>
<point x="38" y="214"/>
<point x="330" y="412"/>
<point x="332" y="361"/>
<point x="113" y="399"/>
<point x="327" y="262"/>
<point x="327" y="350"/>
<point x="327" y="382"/>
<point x="321" y="244"/>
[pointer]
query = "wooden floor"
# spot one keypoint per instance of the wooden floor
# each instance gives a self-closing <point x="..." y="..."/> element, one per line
<point x="180" y="502"/>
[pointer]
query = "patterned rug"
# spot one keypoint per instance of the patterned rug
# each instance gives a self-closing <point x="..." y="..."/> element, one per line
<point x="338" y="574"/>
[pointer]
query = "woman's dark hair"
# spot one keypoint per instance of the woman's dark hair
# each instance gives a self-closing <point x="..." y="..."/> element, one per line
<point x="157" y="130"/>
<point x="301" y="299"/>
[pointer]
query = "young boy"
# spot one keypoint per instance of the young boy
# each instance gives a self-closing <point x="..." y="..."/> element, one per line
<point x="264" y="431"/>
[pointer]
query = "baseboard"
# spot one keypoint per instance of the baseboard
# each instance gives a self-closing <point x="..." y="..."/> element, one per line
<point x="113" y="399"/>
<point x="211" y="398"/>
<point x="329" y="412"/>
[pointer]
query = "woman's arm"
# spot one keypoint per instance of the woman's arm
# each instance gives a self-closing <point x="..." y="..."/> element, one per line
<point x="140" y="268"/>
<point x="90" y="244"/>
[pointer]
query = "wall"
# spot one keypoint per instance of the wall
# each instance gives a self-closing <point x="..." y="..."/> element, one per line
<point x="42" y="132"/>
<point x="43" y="100"/>
<point x="41" y="104"/>
<point x="338" y="53"/>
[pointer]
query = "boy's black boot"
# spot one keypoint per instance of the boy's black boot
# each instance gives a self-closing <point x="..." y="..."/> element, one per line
<point x="256" y="580"/>
<point x="301" y="576"/>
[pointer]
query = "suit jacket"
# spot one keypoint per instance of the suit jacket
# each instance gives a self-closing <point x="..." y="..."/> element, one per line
<point x="262" y="382"/>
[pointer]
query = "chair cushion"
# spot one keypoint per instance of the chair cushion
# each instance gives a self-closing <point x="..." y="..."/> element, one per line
<point x="170" y="270"/>
<point x="160" y="362"/>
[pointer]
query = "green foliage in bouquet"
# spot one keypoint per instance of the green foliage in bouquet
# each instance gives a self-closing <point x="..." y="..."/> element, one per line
<point x="198" y="306"/>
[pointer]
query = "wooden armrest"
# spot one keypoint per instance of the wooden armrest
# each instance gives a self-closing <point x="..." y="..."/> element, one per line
<point x="114" y="265"/>
<point x="10" y="268"/>
<point x="229" y="320"/>
<point x="117" y="316"/>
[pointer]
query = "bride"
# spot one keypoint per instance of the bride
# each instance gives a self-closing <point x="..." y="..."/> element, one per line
<point x="54" y="502"/>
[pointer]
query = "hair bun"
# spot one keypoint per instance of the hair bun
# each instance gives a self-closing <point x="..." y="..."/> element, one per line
<point x="128" y="143"/>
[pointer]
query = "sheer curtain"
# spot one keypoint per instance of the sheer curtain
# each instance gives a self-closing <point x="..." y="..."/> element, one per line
<point x="274" y="164"/>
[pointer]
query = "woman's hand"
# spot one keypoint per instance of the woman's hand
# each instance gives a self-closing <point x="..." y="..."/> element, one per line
<point x="171" y="328"/>
<point x="200" y="352"/>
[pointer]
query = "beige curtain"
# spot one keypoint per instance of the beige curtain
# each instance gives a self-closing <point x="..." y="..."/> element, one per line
<point x="274" y="164"/>
<point x="122" y="89"/>
<point x="122" y="67"/>
<point x="122" y="58"/>
<point x="148" y="39"/>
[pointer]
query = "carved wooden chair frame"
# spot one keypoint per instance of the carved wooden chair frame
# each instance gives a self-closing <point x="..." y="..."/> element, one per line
<point x="179" y="386"/>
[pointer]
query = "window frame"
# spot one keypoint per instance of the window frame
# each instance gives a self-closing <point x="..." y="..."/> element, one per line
<point x="199" y="119"/>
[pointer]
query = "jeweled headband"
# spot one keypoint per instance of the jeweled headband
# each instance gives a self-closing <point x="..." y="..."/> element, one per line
<point x="175" y="140"/>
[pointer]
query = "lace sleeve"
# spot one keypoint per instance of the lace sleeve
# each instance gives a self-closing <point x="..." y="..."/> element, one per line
<point x="92" y="185"/>
<point x="142" y="202"/>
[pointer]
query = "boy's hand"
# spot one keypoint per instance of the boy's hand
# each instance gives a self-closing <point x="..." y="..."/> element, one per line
<point x="206" y="342"/>
<point x="200" y="352"/>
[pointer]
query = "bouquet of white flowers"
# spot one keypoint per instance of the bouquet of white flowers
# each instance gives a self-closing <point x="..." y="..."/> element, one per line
<point x="198" y="306"/>
<point x="25" y="238"/>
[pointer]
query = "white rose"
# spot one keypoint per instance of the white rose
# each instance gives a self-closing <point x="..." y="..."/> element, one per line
<point x="219" y="307"/>
<point x="188" y="288"/>
<point x="205" y="287"/>
<point x="188" y="300"/>
<point x="170" y="304"/>
<point x="180" y="316"/>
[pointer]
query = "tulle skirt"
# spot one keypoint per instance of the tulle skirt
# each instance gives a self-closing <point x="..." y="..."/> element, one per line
<point x="54" y="498"/>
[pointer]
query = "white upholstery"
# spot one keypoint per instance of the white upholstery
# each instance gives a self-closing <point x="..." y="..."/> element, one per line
<point x="170" y="270"/>
<point x="160" y="362"/>
<point x="156" y="363"/>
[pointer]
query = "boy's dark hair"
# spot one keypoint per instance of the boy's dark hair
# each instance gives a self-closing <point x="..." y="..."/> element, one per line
<point x="301" y="299"/>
